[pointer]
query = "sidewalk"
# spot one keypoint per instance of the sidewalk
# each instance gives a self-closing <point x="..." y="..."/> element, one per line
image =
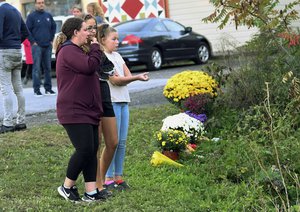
<point x="46" y="103"/>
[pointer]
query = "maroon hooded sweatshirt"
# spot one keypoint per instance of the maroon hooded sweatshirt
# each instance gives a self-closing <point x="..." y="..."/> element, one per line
<point x="78" y="99"/>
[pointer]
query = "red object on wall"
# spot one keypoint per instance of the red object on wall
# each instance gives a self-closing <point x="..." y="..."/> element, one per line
<point x="132" y="8"/>
<point x="166" y="6"/>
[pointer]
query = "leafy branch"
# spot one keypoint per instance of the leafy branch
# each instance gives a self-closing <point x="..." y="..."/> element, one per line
<point x="253" y="13"/>
<point x="263" y="14"/>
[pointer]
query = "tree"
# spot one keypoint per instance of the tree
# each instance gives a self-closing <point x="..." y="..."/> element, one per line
<point x="263" y="14"/>
<point x="266" y="15"/>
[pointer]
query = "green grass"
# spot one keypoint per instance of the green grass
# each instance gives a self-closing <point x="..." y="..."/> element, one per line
<point x="33" y="164"/>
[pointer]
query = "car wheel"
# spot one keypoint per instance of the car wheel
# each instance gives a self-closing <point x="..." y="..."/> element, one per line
<point x="155" y="60"/>
<point x="202" y="54"/>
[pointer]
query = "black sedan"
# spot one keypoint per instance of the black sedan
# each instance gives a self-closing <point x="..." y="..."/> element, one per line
<point x="154" y="41"/>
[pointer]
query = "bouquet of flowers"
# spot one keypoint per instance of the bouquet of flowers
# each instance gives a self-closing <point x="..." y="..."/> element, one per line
<point x="192" y="127"/>
<point x="160" y="159"/>
<point x="171" y="140"/>
<point x="189" y="83"/>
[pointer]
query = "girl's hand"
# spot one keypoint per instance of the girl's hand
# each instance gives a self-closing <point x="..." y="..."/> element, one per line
<point x="144" y="76"/>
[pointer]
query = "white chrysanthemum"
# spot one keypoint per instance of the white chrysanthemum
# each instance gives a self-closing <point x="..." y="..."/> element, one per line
<point x="189" y="125"/>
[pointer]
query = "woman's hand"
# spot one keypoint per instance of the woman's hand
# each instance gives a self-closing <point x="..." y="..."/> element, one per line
<point x="94" y="40"/>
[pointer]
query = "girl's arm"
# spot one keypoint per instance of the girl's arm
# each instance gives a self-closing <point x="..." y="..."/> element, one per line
<point x="128" y="77"/>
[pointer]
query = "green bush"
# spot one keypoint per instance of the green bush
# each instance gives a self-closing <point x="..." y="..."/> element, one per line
<point x="263" y="59"/>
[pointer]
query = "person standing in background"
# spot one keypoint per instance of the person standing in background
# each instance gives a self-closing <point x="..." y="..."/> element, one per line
<point x="28" y="60"/>
<point x="77" y="11"/>
<point x="13" y="32"/>
<point x="95" y="10"/>
<point x="42" y="28"/>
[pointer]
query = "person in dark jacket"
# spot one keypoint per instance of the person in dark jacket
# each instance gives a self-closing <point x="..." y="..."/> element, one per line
<point x="79" y="108"/>
<point x="42" y="28"/>
<point x="13" y="32"/>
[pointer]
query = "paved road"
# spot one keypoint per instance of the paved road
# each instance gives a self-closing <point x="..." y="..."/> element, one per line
<point x="46" y="103"/>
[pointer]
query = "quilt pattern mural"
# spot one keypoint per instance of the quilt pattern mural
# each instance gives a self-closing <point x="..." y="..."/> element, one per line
<point x="123" y="10"/>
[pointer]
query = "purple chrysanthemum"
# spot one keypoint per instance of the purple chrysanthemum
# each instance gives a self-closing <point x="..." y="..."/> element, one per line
<point x="201" y="117"/>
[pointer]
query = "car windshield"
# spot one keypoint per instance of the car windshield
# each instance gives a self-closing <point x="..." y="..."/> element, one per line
<point x="132" y="26"/>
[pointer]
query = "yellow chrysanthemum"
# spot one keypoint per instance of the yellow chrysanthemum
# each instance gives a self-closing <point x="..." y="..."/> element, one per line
<point x="189" y="83"/>
<point x="171" y="139"/>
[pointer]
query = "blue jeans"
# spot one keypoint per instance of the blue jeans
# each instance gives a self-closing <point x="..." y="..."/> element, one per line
<point x="11" y="85"/>
<point x="122" y="115"/>
<point x="41" y="57"/>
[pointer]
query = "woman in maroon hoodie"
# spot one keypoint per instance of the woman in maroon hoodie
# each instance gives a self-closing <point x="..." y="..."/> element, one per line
<point x="79" y="108"/>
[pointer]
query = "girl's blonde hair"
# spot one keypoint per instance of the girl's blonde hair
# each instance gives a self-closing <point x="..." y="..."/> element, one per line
<point x="97" y="10"/>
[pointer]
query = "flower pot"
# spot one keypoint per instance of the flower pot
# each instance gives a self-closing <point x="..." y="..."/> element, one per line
<point x="170" y="154"/>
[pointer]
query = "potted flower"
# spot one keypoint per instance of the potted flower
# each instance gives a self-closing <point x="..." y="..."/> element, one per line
<point x="171" y="142"/>
<point x="192" y="127"/>
<point x="198" y="104"/>
<point x="189" y="83"/>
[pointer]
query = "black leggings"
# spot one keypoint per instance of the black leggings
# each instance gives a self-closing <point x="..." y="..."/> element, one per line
<point x="84" y="138"/>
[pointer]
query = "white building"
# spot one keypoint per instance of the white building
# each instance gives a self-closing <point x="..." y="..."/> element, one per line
<point x="187" y="12"/>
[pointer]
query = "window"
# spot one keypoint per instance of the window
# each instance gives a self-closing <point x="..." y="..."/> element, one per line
<point x="173" y="26"/>
<point x="159" y="27"/>
<point x="134" y="26"/>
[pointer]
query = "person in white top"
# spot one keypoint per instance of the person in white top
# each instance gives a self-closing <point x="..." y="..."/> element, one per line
<point x="120" y="99"/>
